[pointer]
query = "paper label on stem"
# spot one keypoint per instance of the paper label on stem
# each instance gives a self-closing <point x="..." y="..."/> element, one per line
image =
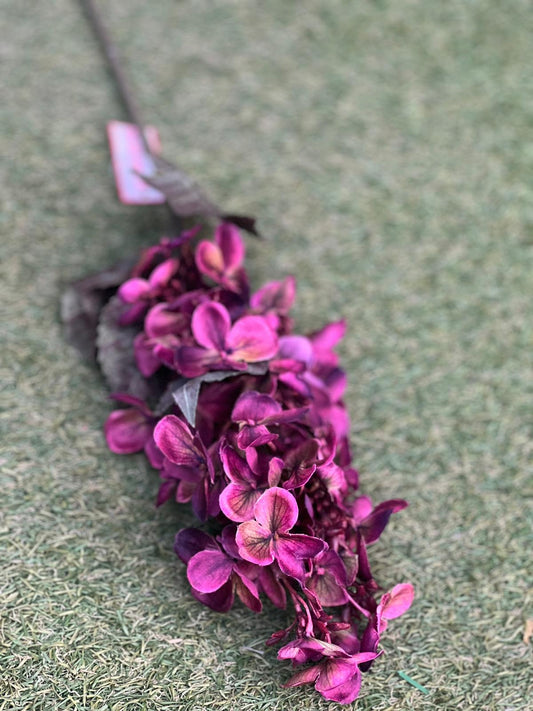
<point x="128" y="157"/>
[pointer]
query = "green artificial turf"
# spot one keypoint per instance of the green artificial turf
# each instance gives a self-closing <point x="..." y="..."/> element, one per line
<point x="386" y="147"/>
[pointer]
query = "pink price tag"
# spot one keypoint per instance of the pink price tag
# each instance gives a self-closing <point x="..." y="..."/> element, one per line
<point x="128" y="156"/>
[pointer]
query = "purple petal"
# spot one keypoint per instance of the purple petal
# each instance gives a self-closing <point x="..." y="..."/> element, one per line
<point x="328" y="337"/>
<point x="286" y="416"/>
<point x="236" y="468"/>
<point x="275" y="467"/>
<point x="344" y="692"/>
<point x="304" y="676"/>
<point x="254" y="543"/>
<point x="127" y="431"/>
<point x="302" y="650"/>
<point x="252" y="340"/>
<point x="133" y="314"/>
<point x="221" y="600"/>
<point x="237" y="502"/>
<point x="231" y="245"/>
<point x="272" y="588"/>
<point x="200" y="500"/>
<point x="252" y="407"/>
<point x="176" y="441"/>
<point x="295" y="348"/>
<point x="144" y="356"/>
<point x="276" y="295"/>
<point x="207" y="571"/>
<point x="190" y="541"/>
<point x="327" y="590"/>
<point x="254" y="436"/>
<point x="192" y="361"/>
<point x="336" y="383"/>
<point x="333" y="477"/>
<point x="373" y="525"/>
<point x="276" y="510"/>
<point x="133" y="290"/>
<point x="136" y="402"/>
<point x="335" y="565"/>
<point x="165" y="491"/>
<point x="247" y="593"/>
<point x="335" y="671"/>
<point x="227" y="538"/>
<point x="154" y="455"/>
<point x="363" y="571"/>
<point x="165" y="350"/>
<point x="210" y="325"/>
<point x="290" y="549"/>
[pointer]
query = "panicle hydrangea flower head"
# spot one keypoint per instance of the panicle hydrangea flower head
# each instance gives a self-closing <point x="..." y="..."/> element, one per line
<point x="264" y="459"/>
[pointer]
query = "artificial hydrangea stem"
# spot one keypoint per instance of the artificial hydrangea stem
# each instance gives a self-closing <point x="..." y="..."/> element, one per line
<point x="110" y="52"/>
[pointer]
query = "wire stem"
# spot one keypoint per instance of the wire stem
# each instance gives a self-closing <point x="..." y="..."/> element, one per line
<point x="110" y="52"/>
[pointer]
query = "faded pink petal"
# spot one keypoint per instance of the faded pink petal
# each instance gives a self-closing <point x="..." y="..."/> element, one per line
<point x="276" y="510"/>
<point x="254" y="543"/>
<point x="208" y="570"/>
<point x="163" y="273"/>
<point x="210" y="260"/>
<point x="161" y="320"/>
<point x="210" y="325"/>
<point x="361" y="508"/>
<point x="237" y="502"/>
<point x="133" y="290"/>
<point x="397" y="601"/>
<point x="251" y="339"/>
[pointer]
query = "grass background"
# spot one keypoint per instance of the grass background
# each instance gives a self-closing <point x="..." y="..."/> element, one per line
<point x="387" y="148"/>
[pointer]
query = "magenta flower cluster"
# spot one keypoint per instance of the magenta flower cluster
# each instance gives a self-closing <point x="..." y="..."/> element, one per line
<point x="264" y="461"/>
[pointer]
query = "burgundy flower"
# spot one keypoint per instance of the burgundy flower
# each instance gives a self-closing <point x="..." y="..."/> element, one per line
<point x="223" y="346"/>
<point x="141" y="293"/>
<point x="370" y="520"/>
<point x="328" y="580"/>
<point x="268" y="462"/>
<point x="130" y="430"/>
<point x="274" y="300"/>
<point x="267" y="538"/>
<point x="337" y="676"/>
<point x="246" y="486"/>
<point x="213" y="573"/>
<point x="255" y="412"/>
<point x="192" y="464"/>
